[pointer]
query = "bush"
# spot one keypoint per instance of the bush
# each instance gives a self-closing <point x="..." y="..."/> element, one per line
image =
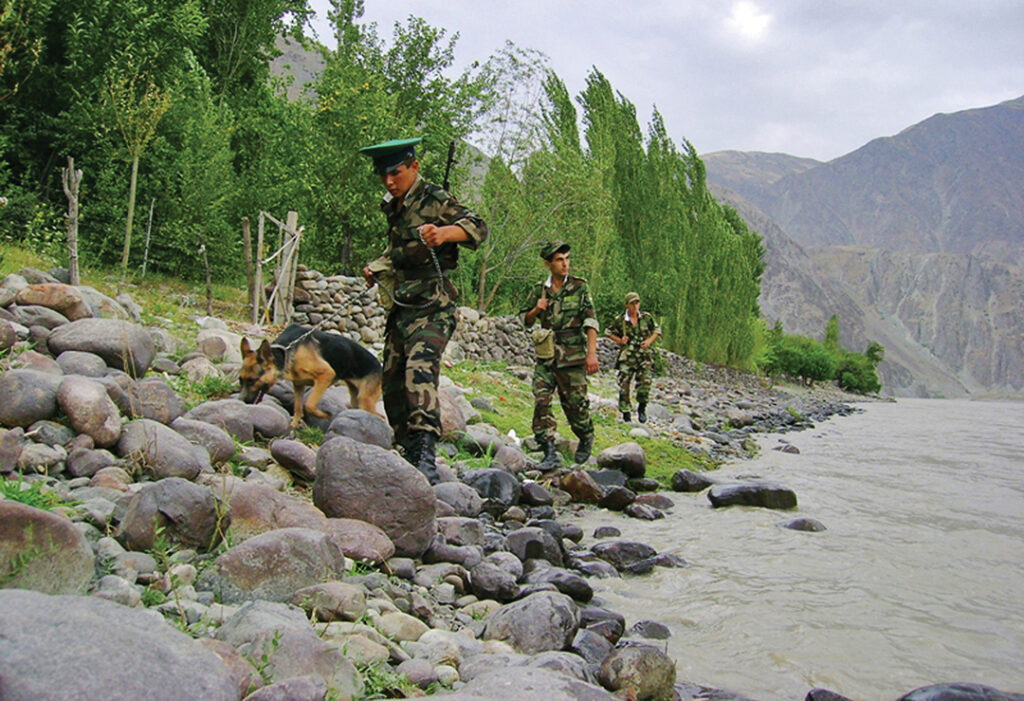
<point x="856" y="373"/>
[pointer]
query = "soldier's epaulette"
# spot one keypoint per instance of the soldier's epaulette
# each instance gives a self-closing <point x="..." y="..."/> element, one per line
<point x="437" y="192"/>
<point x="578" y="280"/>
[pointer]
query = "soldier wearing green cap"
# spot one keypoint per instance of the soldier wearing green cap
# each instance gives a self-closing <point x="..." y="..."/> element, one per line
<point x="426" y="226"/>
<point x="566" y="337"/>
<point x="634" y="331"/>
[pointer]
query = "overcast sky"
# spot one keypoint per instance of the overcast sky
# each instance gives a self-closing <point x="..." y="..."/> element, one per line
<point x="814" y="78"/>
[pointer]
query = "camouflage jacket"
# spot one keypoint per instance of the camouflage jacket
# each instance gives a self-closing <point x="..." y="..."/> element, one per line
<point x="632" y="354"/>
<point x="569" y="314"/>
<point x="416" y="274"/>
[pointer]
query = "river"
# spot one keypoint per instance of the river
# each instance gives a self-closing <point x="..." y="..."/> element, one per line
<point x="918" y="579"/>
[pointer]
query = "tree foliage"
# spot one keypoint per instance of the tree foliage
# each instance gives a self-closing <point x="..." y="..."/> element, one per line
<point x="183" y="92"/>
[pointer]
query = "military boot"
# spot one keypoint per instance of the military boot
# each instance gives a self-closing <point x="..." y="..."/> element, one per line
<point x="586" y="444"/>
<point x="641" y="413"/>
<point x="425" y="455"/>
<point x="627" y="417"/>
<point x="551" y="460"/>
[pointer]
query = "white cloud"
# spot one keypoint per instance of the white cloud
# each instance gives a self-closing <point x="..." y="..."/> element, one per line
<point x="748" y="20"/>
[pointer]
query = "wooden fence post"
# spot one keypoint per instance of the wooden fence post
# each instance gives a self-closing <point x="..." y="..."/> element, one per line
<point x="71" y="180"/>
<point x="249" y="273"/>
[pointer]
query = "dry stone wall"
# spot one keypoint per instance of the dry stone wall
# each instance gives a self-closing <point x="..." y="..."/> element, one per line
<point x="343" y="303"/>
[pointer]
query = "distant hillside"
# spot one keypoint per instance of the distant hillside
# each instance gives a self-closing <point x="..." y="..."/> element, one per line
<point x="954" y="182"/>
<point x="915" y="240"/>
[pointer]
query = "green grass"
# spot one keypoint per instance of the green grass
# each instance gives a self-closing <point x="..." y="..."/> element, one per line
<point x="512" y="399"/>
<point x="35" y="493"/>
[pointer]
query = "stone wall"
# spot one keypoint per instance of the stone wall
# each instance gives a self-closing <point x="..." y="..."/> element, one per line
<point x="343" y="303"/>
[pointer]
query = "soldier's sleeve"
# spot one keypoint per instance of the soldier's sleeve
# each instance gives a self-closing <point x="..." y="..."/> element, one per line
<point x="463" y="217"/>
<point x="588" y="311"/>
<point x="530" y="302"/>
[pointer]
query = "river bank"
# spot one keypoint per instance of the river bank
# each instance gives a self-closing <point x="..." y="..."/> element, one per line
<point x="250" y="563"/>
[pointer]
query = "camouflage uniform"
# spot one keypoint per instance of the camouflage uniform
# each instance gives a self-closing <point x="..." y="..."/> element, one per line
<point x="416" y="334"/>
<point x="634" y="362"/>
<point x="569" y="314"/>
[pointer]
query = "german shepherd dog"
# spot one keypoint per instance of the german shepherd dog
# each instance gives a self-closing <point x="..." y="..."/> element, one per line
<point x="309" y="357"/>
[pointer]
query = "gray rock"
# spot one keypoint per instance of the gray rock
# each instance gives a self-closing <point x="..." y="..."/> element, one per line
<point x="617" y="498"/>
<point x="461" y="530"/>
<point x="494" y="485"/>
<point x="804" y="524"/>
<point x="591" y="646"/>
<point x="90" y="410"/>
<point x="269" y="421"/>
<point x="28" y="396"/>
<point x="331" y="601"/>
<point x="152" y="398"/>
<point x="959" y="691"/>
<point x="532" y="542"/>
<point x="644" y="669"/>
<point x="766" y="494"/>
<point x="121" y="344"/>
<point x="80" y="363"/>
<point x="185" y="513"/>
<point x="489" y="581"/>
<point x="83" y="462"/>
<point x="463" y="499"/>
<point x="365" y="482"/>
<point x="101" y="305"/>
<point x="36" y="315"/>
<point x="359" y="540"/>
<point x="96" y="649"/>
<point x="42" y="551"/>
<point x="621" y="553"/>
<point x="217" y="441"/>
<point x="542" y="621"/>
<point x="310" y="688"/>
<point x="651" y="630"/>
<point x="627" y="457"/>
<point x="361" y="426"/>
<point x="273" y="566"/>
<point x="231" y="415"/>
<point x="564" y="581"/>
<point x="160" y="450"/>
<point x="689" y="481"/>
<point x="257" y="508"/>
<point x="296" y="457"/>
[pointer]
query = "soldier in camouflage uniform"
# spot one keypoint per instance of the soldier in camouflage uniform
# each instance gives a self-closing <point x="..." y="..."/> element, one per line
<point x="562" y="304"/>
<point x="426" y="225"/>
<point x="634" y="331"/>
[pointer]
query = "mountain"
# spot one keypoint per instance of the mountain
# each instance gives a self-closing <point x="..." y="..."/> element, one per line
<point x="914" y="240"/>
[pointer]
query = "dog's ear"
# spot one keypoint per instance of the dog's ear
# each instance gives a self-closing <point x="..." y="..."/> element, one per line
<point x="246" y="348"/>
<point x="264" y="353"/>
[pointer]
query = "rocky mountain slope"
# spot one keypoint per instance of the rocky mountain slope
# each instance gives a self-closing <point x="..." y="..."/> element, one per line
<point x="914" y="240"/>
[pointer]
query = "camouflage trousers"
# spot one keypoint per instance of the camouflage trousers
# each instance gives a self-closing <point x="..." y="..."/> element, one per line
<point x="627" y="373"/>
<point x="414" y="342"/>
<point x="571" y="385"/>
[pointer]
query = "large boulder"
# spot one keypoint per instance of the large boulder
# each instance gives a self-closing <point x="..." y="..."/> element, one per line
<point x="361" y="426"/>
<point x="72" y="647"/>
<point x="152" y="398"/>
<point x="543" y="621"/>
<point x="365" y="482"/>
<point x="496" y="487"/>
<point x="232" y="415"/>
<point x="642" y="671"/>
<point x="184" y="512"/>
<point x="359" y="540"/>
<point x="28" y="396"/>
<point x="274" y="565"/>
<point x="65" y="299"/>
<point x="161" y="450"/>
<point x="121" y="344"/>
<point x="623" y="554"/>
<point x="90" y="410"/>
<point x="43" y="551"/>
<point x="627" y="457"/>
<point x="766" y="494"/>
<point x="217" y="441"/>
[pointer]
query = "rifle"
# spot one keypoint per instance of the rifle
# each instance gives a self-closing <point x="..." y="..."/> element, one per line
<point x="448" y="167"/>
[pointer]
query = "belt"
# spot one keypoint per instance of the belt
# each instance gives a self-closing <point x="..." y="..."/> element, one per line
<point x="421" y="273"/>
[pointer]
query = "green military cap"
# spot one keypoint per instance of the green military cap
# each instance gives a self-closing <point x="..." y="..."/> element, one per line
<point x="549" y="249"/>
<point x="632" y="297"/>
<point x="388" y="155"/>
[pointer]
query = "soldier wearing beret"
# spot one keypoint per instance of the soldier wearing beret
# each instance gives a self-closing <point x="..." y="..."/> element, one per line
<point x="566" y="338"/>
<point x="426" y="226"/>
<point x="634" y="331"/>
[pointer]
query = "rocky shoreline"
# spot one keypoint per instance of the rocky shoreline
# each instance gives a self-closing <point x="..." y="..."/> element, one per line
<point x="151" y="549"/>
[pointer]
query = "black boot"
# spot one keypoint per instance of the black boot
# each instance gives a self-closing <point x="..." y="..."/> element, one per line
<point x="551" y="460"/>
<point x="641" y="413"/>
<point x="424" y="456"/>
<point x="626" y="417"/>
<point x="583" y="449"/>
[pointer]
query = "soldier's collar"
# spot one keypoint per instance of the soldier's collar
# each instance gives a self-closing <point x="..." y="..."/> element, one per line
<point x="547" y="283"/>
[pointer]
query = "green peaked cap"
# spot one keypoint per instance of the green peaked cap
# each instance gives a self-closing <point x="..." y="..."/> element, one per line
<point x="388" y="155"/>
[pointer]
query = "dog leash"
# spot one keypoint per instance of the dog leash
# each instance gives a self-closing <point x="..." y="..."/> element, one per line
<point x="440" y="277"/>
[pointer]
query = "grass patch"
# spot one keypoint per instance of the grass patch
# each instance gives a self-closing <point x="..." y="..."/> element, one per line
<point x="512" y="399"/>
<point x="35" y="493"/>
